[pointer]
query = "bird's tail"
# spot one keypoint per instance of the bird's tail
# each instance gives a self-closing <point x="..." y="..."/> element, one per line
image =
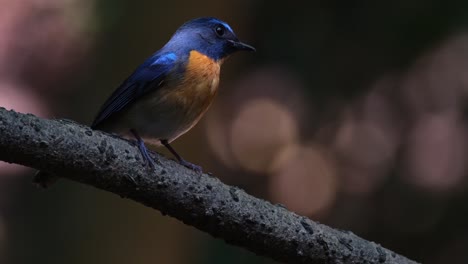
<point x="44" y="179"/>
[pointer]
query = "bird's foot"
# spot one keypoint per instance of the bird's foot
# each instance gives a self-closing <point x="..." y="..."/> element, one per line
<point x="144" y="151"/>
<point x="146" y="156"/>
<point x="194" y="167"/>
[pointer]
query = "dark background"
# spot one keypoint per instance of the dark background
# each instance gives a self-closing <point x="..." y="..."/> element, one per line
<point x="353" y="113"/>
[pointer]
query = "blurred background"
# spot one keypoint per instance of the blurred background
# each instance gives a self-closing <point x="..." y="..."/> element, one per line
<point x="353" y="113"/>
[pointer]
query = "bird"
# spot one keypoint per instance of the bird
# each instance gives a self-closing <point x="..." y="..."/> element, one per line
<point x="171" y="90"/>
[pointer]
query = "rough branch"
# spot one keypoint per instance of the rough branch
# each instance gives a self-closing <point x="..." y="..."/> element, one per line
<point x="109" y="163"/>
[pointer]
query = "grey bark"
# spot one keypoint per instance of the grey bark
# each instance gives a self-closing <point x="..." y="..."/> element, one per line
<point x="78" y="153"/>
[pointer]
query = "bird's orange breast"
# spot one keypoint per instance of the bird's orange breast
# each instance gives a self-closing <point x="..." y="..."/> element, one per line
<point x="199" y="84"/>
<point x="203" y="72"/>
<point x="196" y="91"/>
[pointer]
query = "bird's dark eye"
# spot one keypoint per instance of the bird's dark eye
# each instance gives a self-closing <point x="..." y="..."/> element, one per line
<point x="219" y="30"/>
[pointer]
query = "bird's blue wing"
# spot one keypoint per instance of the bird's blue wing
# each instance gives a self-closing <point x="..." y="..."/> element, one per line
<point x="145" y="78"/>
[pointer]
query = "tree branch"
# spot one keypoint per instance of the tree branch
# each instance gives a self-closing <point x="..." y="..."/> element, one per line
<point x="109" y="163"/>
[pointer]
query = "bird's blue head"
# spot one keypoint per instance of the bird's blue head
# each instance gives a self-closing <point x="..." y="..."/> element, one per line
<point x="207" y="35"/>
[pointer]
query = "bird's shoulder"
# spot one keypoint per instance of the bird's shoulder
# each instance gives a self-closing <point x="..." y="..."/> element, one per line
<point x="156" y="65"/>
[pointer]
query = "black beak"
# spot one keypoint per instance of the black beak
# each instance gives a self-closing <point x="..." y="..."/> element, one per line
<point x="242" y="46"/>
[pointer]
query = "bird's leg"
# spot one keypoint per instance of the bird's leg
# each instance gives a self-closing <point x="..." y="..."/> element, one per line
<point x="183" y="162"/>
<point x="143" y="149"/>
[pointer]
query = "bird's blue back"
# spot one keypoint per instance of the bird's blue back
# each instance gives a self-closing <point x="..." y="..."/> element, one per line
<point x="147" y="77"/>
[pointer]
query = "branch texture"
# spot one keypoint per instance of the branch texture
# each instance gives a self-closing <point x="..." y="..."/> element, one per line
<point x="109" y="163"/>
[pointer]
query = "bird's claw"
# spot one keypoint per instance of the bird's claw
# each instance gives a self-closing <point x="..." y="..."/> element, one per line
<point x="194" y="167"/>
